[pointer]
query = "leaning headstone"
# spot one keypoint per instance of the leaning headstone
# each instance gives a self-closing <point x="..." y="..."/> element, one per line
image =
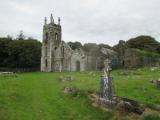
<point x="67" y="90"/>
<point x="61" y="78"/>
<point x="106" y="86"/>
<point x="153" y="81"/>
<point x="158" y="83"/>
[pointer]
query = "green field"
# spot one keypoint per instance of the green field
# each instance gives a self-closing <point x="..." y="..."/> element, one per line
<point x="40" y="96"/>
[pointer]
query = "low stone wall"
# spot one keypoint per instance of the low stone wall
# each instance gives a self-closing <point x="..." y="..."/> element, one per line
<point x="3" y="69"/>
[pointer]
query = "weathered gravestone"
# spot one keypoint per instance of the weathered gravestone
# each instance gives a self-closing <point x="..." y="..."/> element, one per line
<point x="106" y="86"/>
<point x="107" y="95"/>
<point x="158" y="83"/>
<point x="67" y="90"/>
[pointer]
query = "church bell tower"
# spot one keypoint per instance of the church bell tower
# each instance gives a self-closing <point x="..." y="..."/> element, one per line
<point x="52" y="35"/>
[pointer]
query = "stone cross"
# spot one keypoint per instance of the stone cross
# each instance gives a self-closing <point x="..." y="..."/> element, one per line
<point x="107" y="67"/>
<point x="106" y="85"/>
<point x="45" y="20"/>
<point x="59" y="20"/>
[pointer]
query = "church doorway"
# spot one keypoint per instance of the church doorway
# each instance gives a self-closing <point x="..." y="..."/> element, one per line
<point x="77" y="65"/>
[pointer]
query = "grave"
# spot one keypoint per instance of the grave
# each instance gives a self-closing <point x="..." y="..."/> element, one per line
<point x="106" y="86"/>
<point x="6" y="74"/>
<point x="107" y="98"/>
<point x="158" y="83"/>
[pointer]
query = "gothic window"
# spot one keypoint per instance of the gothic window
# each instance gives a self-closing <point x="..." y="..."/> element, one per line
<point x="56" y="36"/>
<point x="46" y="50"/>
<point x="46" y="37"/>
<point x="63" y="50"/>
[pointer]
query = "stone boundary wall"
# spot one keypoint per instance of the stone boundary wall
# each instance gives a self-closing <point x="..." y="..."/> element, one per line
<point x="4" y="69"/>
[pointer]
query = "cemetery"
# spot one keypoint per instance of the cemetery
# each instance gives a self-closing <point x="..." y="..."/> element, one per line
<point x="55" y="80"/>
<point x="99" y="61"/>
<point x="78" y="82"/>
<point x="76" y="95"/>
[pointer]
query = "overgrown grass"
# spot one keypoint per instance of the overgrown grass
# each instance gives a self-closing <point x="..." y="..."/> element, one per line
<point x="152" y="117"/>
<point x="39" y="96"/>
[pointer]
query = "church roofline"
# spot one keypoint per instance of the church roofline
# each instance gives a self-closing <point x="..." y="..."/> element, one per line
<point x="52" y="21"/>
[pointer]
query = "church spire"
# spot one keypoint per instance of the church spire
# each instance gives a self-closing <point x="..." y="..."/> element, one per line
<point x="51" y="18"/>
<point x="59" y="21"/>
<point x="45" y="20"/>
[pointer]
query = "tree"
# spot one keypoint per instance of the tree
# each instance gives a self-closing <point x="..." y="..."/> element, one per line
<point x="4" y="50"/>
<point x="24" y="54"/>
<point x="21" y="35"/>
<point x="105" y="46"/>
<point x="20" y="53"/>
<point x="158" y="49"/>
<point x="91" y="49"/>
<point x="147" y="43"/>
<point x="75" y="45"/>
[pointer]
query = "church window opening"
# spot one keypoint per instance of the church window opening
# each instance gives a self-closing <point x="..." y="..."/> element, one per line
<point x="46" y="50"/>
<point x="46" y="37"/>
<point x="56" y="36"/>
<point x="63" y="50"/>
<point x="46" y="63"/>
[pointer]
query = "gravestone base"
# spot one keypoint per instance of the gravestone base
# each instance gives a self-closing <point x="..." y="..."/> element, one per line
<point x="107" y="97"/>
<point x="108" y="103"/>
<point x="126" y="106"/>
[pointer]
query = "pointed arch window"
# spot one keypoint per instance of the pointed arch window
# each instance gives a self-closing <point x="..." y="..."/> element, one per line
<point x="46" y="63"/>
<point x="56" y="36"/>
<point x="46" y="37"/>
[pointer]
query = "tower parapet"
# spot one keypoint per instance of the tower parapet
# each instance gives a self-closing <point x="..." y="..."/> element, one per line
<point x="52" y="21"/>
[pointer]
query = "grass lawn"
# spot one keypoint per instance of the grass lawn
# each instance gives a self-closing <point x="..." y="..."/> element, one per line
<point x="39" y="96"/>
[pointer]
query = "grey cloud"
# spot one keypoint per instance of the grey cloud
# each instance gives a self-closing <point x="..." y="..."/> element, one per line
<point x="97" y="21"/>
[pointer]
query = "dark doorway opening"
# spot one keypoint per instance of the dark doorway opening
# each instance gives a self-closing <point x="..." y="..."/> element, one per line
<point x="77" y="65"/>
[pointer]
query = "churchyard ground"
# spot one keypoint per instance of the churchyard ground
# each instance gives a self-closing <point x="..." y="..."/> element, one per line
<point x="40" y="96"/>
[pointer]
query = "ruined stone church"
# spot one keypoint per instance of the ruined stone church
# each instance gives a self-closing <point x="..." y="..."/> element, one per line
<point x="56" y="54"/>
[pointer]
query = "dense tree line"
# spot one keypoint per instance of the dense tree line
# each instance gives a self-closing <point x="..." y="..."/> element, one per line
<point x="146" y="43"/>
<point x="20" y="52"/>
<point x="26" y="52"/>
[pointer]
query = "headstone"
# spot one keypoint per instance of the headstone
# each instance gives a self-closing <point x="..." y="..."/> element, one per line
<point x="106" y="85"/>
<point x="7" y="74"/>
<point x="61" y="79"/>
<point x="158" y="83"/>
<point x="67" y="90"/>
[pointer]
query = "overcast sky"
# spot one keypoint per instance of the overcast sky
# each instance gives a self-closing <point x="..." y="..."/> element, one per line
<point x="99" y="21"/>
